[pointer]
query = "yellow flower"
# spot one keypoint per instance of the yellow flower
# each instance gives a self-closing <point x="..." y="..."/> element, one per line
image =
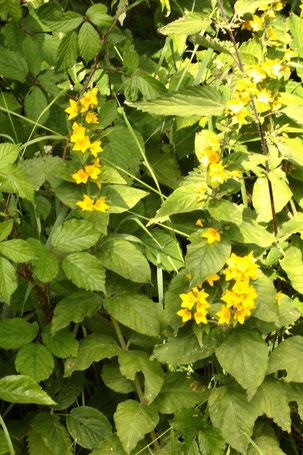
<point x="202" y="192"/>
<point x="92" y="171"/>
<point x="276" y="106"/>
<point x="223" y="315"/>
<point x="257" y="74"/>
<point x="235" y="174"/>
<point x="217" y="173"/>
<point x="81" y="176"/>
<point x="78" y="132"/>
<point x="188" y="300"/>
<point x="87" y="204"/>
<point x="95" y="148"/>
<point x="212" y="278"/>
<point x="214" y="143"/>
<point x="280" y="5"/>
<point x="199" y="223"/>
<point x="235" y="105"/>
<point x="288" y="55"/>
<point x="272" y="68"/>
<point x="241" y="268"/>
<point x="97" y="162"/>
<point x="201" y="296"/>
<point x="101" y="205"/>
<point x="185" y="315"/>
<point x="91" y="117"/>
<point x="253" y="24"/>
<point x="89" y="100"/>
<point x="72" y="110"/>
<point x="279" y="297"/>
<point x="200" y="317"/>
<point x="272" y="34"/>
<point x="241" y="314"/>
<point x="230" y="298"/>
<point x="212" y="235"/>
<point x="210" y="156"/>
<point x="263" y="7"/>
<point x="263" y="99"/>
<point x="82" y="144"/>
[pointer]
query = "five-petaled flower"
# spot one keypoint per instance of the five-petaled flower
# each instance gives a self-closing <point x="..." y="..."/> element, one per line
<point x="212" y="235"/>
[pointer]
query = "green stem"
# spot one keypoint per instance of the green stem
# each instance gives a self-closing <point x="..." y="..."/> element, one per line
<point x="119" y="334"/>
<point x="7" y="437"/>
<point x="243" y="192"/>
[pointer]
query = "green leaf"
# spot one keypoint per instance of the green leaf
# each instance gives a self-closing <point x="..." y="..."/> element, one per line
<point x="273" y="399"/>
<point x="267" y="308"/>
<point x="291" y="148"/>
<point x="8" y="154"/>
<point x="178" y="285"/>
<point x="85" y="271"/>
<point x="266" y="445"/>
<point x="288" y="311"/>
<point x="187" y="25"/>
<point x="68" y="52"/>
<point x="135" y="311"/>
<point x="97" y="15"/>
<point x="294" y="23"/>
<point x="75" y="308"/>
<point x="8" y="279"/>
<point x="92" y="348"/>
<point x="64" y="23"/>
<point x="53" y="433"/>
<point x="62" y="344"/>
<point x="36" y="444"/>
<point x="162" y="249"/>
<point x="250" y="232"/>
<point x="8" y="101"/>
<point x="244" y="355"/>
<point x="202" y="101"/>
<point x="224" y="210"/>
<point x="131" y="362"/>
<point x="286" y="357"/>
<point x="5" y="229"/>
<point x="23" y="389"/>
<point x="111" y="446"/>
<point x="10" y="330"/>
<point x="233" y="414"/>
<point x="295" y="393"/>
<point x="14" y="180"/>
<point x="12" y="65"/>
<point x="242" y="7"/>
<point x="35" y="360"/>
<point x="133" y="421"/>
<point x="74" y="235"/>
<point x="114" y="379"/>
<point x="292" y="226"/>
<point x="203" y="259"/>
<point x="261" y="200"/>
<point x="89" y="42"/>
<point x="35" y="102"/>
<point x="292" y="263"/>
<point x="211" y="442"/>
<point x="189" y="422"/>
<point x="183" y="350"/>
<point x="179" y="391"/>
<point x="291" y="106"/>
<point x="121" y="198"/>
<point x="123" y="258"/>
<point x="46" y="266"/>
<point x="32" y="52"/>
<point x="88" y="426"/>
<point x="17" y="250"/>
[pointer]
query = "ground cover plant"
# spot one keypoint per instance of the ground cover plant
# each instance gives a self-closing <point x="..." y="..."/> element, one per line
<point x="151" y="252"/>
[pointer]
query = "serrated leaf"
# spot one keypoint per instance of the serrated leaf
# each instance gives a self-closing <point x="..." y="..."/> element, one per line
<point x="64" y="23"/>
<point x="114" y="379"/>
<point x="187" y="25"/>
<point x="123" y="258"/>
<point x="202" y="101"/>
<point x="88" y="426"/>
<point x="162" y="249"/>
<point x="286" y="357"/>
<point x="211" y="442"/>
<point x="34" y="103"/>
<point x="97" y="15"/>
<point x="75" y="308"/>
<point x="46" y="266"/>
<point x="135" y="311"/>
<point x="17" y="250"/>
<point x="244" y="355"/>
<point x="85" y="271"/>
<point x="8" y="154"/>
<point x="67" y="53"/>
<point x="35" y="360"/>
<point x="53" y="433"/>
<point x="12" y="65"/>
<point x="8" y="279"/>
<point x="10" y="330"/>
<point x="74" y="235"/>
<point x="89" y="42"/>
<point x="266" y="302"/>
<point x="121" y="198"/>
<point x="23" y="389"/>
<point x="5" y="229"/>
<point x="233" y="414"/>
<point x="292" y="263"/>
<point x="14" y="180"/>
<point x="250" y="232"/>
<point x="132" y="362"/>
<point x="32" y="52"/>
<point x="62" y="344"/>
<point x="133" y="420"/>
<point x="224" y="210"/>
<point x="179" y="391"/>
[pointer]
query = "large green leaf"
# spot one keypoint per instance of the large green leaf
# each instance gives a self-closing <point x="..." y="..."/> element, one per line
<point x="75" y="308"/>
<point x="121" y="198"/>
<point x="22" y="389"/>
<point x="200" y="100"/>
<point x="114" y="379"/>
<point x="292" y="263"/>
<point x="64" y="23"/>
<point x="180" y="391"/>
<point x="35" y="102"/>
<point x="17" y="250"/>
<point x="162" y="249"/>
<point x="291" y="148"/>
<point x="74" y="235"/>
<point x="8" y="279"/>
<point x="265" y="444"/>
<point x="295" y="26"/>
<point x="85" y="271"/>
<point x="267" y="308"/>
<point x="10" y="330"/>
<point x="35" y="360"/>
<point x="286" y="357"/>
<point x="292" y="226"/>
<point x="12" y="65"/>
<point x="242" y="7"/>
<point x="203" y="259"/>
<point x="187" y="25"/>
<point x="62" y="344"/>
<point x="89" y="42"/>
<point x="92" y="348"/>
<point x="244" y="355"/>
<point x="46" y="265"/>
<point x="224" y="210"/>
<point x="67" y="51"/>
<point x="54" y="434"/>
<point x="233" y="414"/>
<point x="211" y="442"/>
<point x="14" y="180"/>
<point x="250" y="232"/>
<point x="110" y="446"/>
<point x="36" y="444"/>
<point x="88" y="426"/>
<point x="8" y="154"/>
<point x="133" y="420"/>
<point x="288" y="311"/>
<point x="123" y="258"/>
<point x="5" y="229"/>
<point x="131" y="362"/>
<point x="32" y="53"/>
<point x="97" y="15"/>
<point x="135" y="311"/>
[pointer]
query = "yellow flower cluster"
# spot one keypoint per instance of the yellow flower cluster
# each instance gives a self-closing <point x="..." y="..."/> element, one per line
<point x="270" y="9"/>
<point x="82" y="143"/>
<point x="241" y="298"/>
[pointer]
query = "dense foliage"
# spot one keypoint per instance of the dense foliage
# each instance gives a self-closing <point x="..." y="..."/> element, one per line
<point x="151" y="252"/>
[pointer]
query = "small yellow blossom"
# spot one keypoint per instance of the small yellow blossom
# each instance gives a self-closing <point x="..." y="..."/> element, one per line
<point x="87" y="204"/>
<point x="241" y="314"/>
<point x="254" y="24"/>
<point x="188" y="300"/>
<point x="81" y="176"/>
<point x="263" y="99"/>
<point x="288" y="55"/>
<point x="92" y="171"/>
<point x="235" y="174"/>
<point x="272" y="68"/>
<point x="212" y="235"/>
<point x="89" y="99"/>
<point x="72" y="110"/>
<point x="82" y="144"/>
<point x="263" y="7"/>
<point x="185" y="315"/>
<point x="241" y="268"/>
<point x="91" y="117"/>
<point x="223" y="315"/>
<point x="97" y="162"/>
<point x="280" y="5"/>
<point x="101" y="205"/>
<point x="276" y="106"/>
<point x="78" y="132"/>
<point x="279" y="297"/>
<point x="210" y="156"/>
<point x="96" y="148"/>
<point x="199" y="223"/>
<point x="200" y="317"/>
<point x="235" y="105"/>
<point x="202" y="192"/>
<point x="272" y="34"/>
<point x="217" y="173"/>
<point x="257" y="74"/>
<point x="213" y="278"/>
